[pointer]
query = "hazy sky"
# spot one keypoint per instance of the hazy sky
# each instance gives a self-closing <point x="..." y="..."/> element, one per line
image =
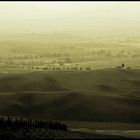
<point x="85" y="17"/>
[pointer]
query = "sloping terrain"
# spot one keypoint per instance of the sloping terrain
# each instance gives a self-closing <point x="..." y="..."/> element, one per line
<point x="41" y="133"/>
<point x="109" y="95"/>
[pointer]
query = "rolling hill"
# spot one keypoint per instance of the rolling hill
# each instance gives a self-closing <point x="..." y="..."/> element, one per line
<point x="107" y="95"/>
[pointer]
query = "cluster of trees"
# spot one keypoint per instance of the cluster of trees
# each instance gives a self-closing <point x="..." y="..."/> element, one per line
<point x="39" y="56"/>
<point x="66" y="68"/>
<point x="123" y="66"/>
<point x="29" y="123"/>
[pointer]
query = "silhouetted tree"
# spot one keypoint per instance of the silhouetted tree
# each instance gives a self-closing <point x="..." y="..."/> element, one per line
<point x="123" y="65"/>
<point x="29" y="123"/>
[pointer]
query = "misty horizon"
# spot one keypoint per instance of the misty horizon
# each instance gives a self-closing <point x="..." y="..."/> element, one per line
<point x="89" y="18"/>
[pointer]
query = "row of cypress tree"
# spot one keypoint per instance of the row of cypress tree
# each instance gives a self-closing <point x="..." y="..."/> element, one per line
<point x="30" y="123"/>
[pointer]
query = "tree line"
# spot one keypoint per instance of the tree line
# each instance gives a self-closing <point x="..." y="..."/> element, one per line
<point x="30" y="123"/>
<point x="63" y="68"/>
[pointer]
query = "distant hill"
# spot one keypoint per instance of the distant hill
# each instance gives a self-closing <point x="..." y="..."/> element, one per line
<point x="30" y="43"/>
<point x="107" y="95"/>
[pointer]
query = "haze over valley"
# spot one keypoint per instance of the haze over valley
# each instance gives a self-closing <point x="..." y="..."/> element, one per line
<point x="74" y="62"/>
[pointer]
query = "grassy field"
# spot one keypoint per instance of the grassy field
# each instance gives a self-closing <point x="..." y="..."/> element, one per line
<point x="106" y="99"/>
<point x="107" y="95"/>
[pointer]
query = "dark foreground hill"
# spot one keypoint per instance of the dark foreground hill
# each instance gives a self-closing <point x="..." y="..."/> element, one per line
<point x="44" y="134"/>
<point x="109" y="95"/>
